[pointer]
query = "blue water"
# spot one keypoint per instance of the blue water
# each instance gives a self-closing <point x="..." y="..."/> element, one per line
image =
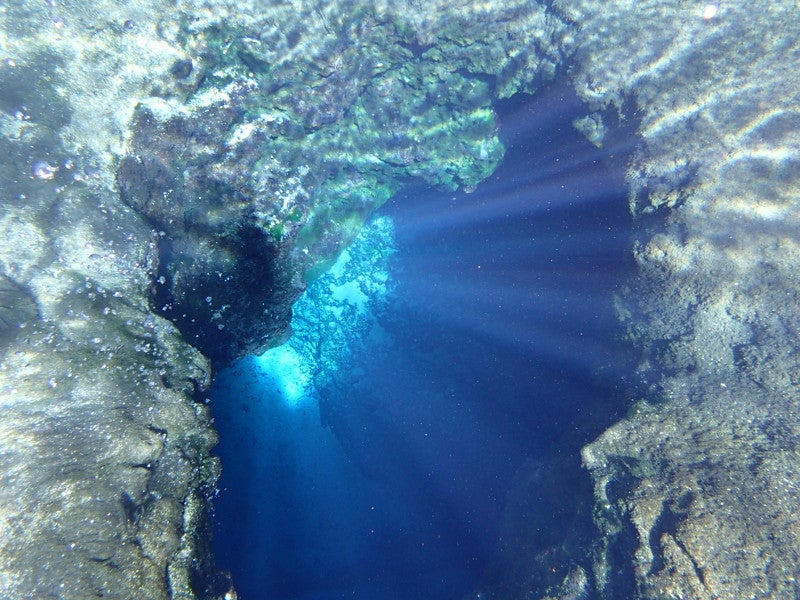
<point x="492" y="358"/>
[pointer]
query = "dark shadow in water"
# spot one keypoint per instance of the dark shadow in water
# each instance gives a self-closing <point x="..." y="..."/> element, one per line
<point x="452" y="455"/>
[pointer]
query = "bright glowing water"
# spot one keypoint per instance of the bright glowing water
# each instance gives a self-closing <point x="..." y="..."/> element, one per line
<point x="448" y="366"/>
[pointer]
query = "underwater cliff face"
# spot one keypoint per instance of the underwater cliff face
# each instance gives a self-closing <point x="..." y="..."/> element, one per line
<point x="304" y="121"/>
<point x="422" y="427"/>
<point x="175" y="174"/>
<point x="692" y="499"/>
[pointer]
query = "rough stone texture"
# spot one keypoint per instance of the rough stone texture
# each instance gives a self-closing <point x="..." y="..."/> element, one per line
<point x="189" y="141"/>
<point x="151" y="147"/>
<point x="104" y="450"/>
<point x="698" y="497"/>
<point x="307" y="119"/>
<point x="696" y="489"/>
<point x="102" y="446"/>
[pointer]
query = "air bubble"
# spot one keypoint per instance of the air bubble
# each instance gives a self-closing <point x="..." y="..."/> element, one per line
<point x="43" y="170"/>
<point x="710" y="11"/>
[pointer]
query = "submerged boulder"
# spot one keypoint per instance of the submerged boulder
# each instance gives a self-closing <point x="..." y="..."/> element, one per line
<point x="300" y="129"/>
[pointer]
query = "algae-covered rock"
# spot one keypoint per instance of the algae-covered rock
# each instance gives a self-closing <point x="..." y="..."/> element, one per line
<point x="196" y="162"/>
<point x="173" y="174"/>
<point x="301" y="128"/>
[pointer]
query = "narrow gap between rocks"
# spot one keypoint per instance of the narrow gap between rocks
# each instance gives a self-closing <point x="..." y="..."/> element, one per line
<point x="432" y="452"/>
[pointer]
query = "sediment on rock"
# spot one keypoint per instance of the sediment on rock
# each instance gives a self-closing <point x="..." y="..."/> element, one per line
<point x="174" y="176"/>
<point x="694" y="488"/>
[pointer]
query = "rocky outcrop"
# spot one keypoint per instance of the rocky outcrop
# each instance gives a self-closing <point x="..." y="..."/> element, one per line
<point x="303" y="124"/>
<point x="174" y="176"/>
<point x="176" y="173"/>
<point x="105" y="464"/>
<point x="695" y="488"/>
<point x="104" y="446"/>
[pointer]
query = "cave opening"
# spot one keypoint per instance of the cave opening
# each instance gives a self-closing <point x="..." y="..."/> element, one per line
<point x="429" y="449"/>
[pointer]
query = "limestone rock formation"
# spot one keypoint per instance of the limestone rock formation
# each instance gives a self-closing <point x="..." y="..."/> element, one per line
<point x="695" y="488"/>
<point x="174" y="172"/>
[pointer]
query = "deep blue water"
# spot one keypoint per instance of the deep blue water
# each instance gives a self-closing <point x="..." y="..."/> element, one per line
<point x="393" y="479"/>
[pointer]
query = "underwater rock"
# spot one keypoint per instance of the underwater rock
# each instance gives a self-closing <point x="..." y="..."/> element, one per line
<point x="202" y="162"/>
<point x="695" y="492"/>
<point x="224" y="281"/>
<point x="106" y="463"/>
<point x="294" y="137"/>
<point x="105" y="452"/>
<point x="696" y="497"/>
<point x="592" y="127"/>
<point x="263" y="138"/>
<point x="16" y="309"/>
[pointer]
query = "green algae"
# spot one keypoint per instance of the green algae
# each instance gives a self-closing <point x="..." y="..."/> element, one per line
<point x="335" y="129"/>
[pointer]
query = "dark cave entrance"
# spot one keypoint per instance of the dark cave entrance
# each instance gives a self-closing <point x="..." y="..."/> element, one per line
<point x="443" y="464"/>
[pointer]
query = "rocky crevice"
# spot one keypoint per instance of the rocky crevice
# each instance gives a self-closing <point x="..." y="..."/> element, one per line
<point x="243" y="152"/>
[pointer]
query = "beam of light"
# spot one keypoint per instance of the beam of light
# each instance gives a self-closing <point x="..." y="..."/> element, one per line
<point x="528" y="193"/>
<point x="490" y="310"/>
<point x="288" y="372"/>
<point x="529" y="261"/>
<point x="335" y="314"/>
<point x="522" y="279"/>
<point x="549" y="327"/>
<point x="544" y="158"/>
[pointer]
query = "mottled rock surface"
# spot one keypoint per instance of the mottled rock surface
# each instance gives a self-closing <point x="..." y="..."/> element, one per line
<point x="105" y="462"/>
<point x="306" y="120"/>
<point x="173" y="172"/>
<point x="191" y="165"/>
<point x="697" y="487"/>
<point x="104" y="454"/>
